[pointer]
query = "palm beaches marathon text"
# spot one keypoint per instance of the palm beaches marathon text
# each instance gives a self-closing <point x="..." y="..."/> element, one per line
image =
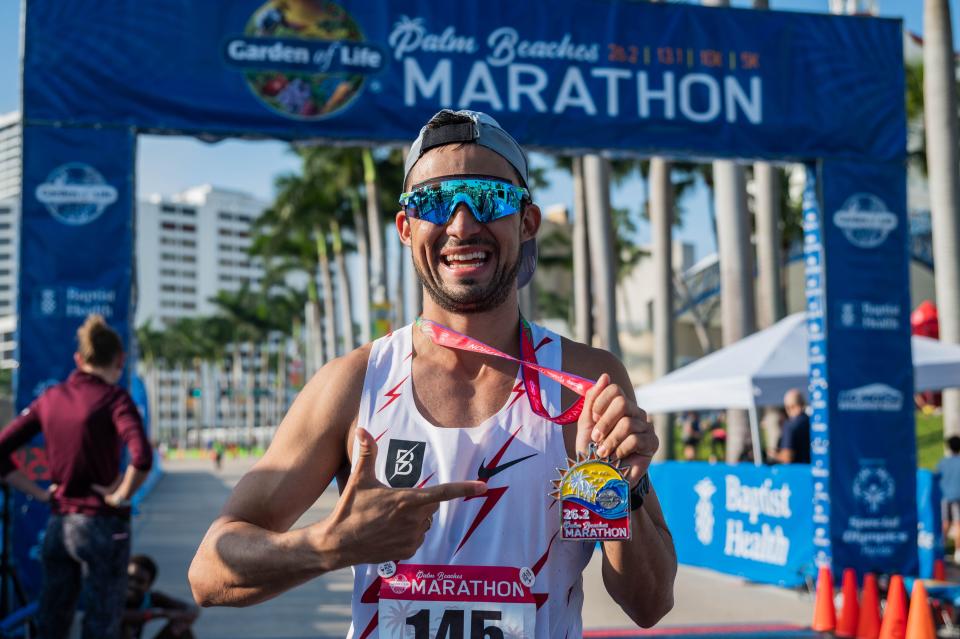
<point x="507" y="78"/>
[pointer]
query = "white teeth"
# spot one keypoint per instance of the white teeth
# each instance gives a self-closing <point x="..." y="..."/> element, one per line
<point x="467" y="257"/>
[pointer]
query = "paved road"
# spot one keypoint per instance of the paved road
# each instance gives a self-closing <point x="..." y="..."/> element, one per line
<point x="190" y="495"/>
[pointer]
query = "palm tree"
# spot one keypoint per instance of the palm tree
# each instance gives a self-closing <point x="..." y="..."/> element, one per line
<point x="940" y="111"/>
<point x="289" y="237"/>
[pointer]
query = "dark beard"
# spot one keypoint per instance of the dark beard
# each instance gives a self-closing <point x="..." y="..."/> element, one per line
<point x="474" y="299"/>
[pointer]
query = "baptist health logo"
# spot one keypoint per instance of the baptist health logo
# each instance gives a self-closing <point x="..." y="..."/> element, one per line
<point x="703" y="514"/>
<point x="76" y="194"/>
<point x="872" y="397"/>
<point x="865" y="220"/>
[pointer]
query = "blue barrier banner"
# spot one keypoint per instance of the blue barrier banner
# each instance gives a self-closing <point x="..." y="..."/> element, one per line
<point x="870" y="432"/>
<point x="929" y="522"/>
<point x="744" y="520"/>
<point x="576" y="74"/>
<point x="76" y="256"/>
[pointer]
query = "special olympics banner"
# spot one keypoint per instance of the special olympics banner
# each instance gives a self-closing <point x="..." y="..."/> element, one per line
<point x="744" y="520"/>
<point x="587" y="74"/>
<point x="869" y="439"/>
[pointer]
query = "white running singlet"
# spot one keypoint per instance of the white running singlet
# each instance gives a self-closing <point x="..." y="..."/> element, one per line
<point x="491" y="566"/>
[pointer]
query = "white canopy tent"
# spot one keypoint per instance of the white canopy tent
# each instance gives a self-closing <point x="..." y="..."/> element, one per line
<point x="759" y="369"/>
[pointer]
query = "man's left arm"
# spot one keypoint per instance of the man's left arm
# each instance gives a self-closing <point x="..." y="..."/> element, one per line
<point x="639" y="573"/>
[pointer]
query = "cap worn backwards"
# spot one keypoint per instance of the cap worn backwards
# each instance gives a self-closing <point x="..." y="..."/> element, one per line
<point x="487" y="132"/>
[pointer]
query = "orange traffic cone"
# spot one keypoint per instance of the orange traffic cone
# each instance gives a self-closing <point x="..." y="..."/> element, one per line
<point x="868" y="625"/>
<point x="920" y="619"/>
<point x="894" y="624"/>
<point x="847" y="623"/>
<point x="824" y="614"/>
<point x="939" y="571"/>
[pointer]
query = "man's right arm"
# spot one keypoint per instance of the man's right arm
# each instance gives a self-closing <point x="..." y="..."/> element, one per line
<point x="249" y="554"/>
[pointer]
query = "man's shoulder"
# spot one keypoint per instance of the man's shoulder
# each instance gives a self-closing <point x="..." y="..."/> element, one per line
<point x="952" y="462"/>
<point x="591" y="362"/>
<point x="342" y="375"/>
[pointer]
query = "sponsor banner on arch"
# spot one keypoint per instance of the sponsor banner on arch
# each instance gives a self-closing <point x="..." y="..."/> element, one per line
<point x="744" y="520"/>
<point x="870" y="441"/>
<point x="76" y="246"/>
<point x="570" y="73"/>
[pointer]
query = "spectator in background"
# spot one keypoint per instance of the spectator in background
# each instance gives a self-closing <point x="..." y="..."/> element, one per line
<point x="717" y="427"/>
<point x="794" y="445"/>
<point x="144" y="604"/>
<point x="692" y="434"/>
<point x="949" y="470"/>
<point x="85" y="422"/>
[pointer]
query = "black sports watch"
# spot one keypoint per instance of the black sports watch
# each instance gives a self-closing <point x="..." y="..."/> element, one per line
<point x="641" y="490"/>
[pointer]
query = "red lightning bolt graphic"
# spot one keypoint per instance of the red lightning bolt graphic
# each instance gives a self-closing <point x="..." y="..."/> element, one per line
<point x="392" y="394"/>
<point x="424" y="482"/>
<point x="543" y="342"/>
<point x="541" y="597"/>
<point x="518" y="389"/>
<point x="492" y="496"/>
<point x="371" y="596"/>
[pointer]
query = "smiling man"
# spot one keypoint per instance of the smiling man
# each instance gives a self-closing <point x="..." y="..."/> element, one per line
<point x="447" y="449"/>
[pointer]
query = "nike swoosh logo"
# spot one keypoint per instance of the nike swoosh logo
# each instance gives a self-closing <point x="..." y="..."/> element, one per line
<point x="484" y="473"/>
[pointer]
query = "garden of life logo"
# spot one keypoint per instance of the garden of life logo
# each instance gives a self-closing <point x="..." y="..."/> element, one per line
<point x="76" y="193"/>
<point x="865" y="220"/>
<point x="873" y="486"/>
<point x="305" y="59"/>
<point x="703" y="515"/>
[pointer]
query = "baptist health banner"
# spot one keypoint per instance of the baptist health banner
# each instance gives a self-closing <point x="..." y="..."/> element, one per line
<point x="861" y="384"/>
<point x="76" y="257"/>
<point x="744" y="520"/>
<point x="560" y="74"/>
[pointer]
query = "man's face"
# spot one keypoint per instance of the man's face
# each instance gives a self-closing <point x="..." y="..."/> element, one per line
<point x="138" y="582"/>
<point x="466" y="266"/>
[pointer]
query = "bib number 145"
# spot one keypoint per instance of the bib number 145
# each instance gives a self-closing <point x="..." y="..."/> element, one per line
<point x="453" y="625"/>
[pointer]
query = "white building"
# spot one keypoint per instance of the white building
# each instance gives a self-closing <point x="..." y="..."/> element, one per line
<point x="9" y="254"/>
<point x="189" y="247"/>
<point x="10" y="172"/>
<point x="10" y="155"/>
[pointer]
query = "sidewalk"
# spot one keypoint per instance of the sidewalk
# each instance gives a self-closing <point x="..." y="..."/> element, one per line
<point x="191" y="494"/>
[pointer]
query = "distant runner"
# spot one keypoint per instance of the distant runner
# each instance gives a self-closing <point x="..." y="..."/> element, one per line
<point x="447" y="450"/>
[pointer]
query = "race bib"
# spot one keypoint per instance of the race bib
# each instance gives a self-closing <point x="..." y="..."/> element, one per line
<point x="456" y="602"/>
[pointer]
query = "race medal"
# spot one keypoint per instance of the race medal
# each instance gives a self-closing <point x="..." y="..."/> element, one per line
<point x="594" y="499"/>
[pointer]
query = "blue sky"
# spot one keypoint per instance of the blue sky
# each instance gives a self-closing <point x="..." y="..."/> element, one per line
<point x="169" y="164"/>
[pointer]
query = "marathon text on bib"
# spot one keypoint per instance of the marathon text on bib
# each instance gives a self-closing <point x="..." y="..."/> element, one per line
<point x="457" y="602"/>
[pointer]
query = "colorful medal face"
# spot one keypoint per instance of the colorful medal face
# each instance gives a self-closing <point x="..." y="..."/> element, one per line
<point x="594" y="499"/>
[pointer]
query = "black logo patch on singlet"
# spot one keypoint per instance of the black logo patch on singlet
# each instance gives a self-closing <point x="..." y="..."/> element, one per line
<point x="404" y="463"/>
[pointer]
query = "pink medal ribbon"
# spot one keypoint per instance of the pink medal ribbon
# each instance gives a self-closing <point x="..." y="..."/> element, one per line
<point x="443" y="336"/>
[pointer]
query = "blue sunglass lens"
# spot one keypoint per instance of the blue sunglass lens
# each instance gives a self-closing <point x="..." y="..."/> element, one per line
<point x="488" y="200"/>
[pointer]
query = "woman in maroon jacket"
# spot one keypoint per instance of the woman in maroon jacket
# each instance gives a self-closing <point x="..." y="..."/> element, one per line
<point x="86" y="421"/>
